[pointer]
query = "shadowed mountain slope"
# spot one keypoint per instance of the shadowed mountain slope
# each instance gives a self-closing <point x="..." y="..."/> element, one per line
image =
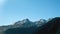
<point x="52" y="27"/>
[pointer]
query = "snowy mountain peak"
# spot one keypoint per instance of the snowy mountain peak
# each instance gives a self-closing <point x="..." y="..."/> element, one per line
<point x="26" y="20"/>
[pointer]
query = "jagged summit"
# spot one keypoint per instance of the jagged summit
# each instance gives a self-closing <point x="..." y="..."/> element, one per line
<point x="22" y="21"/>
<point x="40" y="22"/>
<point x="26" y="20"/>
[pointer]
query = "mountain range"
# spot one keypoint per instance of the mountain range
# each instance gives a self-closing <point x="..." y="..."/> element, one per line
<point x="25" y="26"/>
<point x="25" y="23"/>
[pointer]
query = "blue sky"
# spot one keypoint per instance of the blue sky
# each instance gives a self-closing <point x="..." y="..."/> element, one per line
<point x="15" y="10"/>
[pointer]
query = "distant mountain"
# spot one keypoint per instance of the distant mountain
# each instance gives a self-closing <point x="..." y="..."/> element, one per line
<point x="26" y="23"/>
<point x="25" y="26"/>
<point x="40" y="22"/>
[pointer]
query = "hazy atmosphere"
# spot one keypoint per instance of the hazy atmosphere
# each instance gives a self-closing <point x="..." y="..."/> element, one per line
<point x="15" y="10"/>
